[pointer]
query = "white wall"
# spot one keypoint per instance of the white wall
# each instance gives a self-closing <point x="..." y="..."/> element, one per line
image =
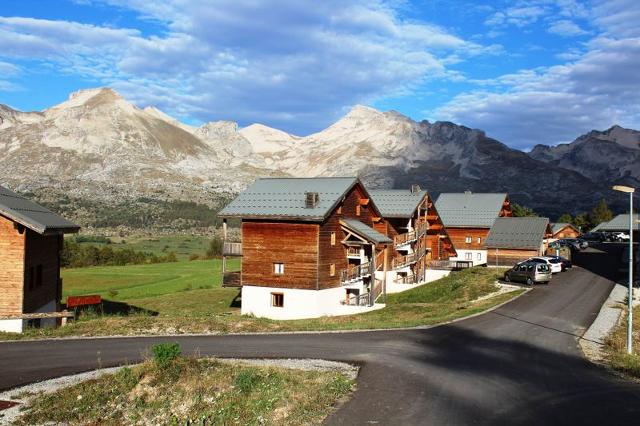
<point x="11" y="326"/>
<point x="298" y="304"/>
<point x="18" y="325"/>
<point x="474" y="255"/>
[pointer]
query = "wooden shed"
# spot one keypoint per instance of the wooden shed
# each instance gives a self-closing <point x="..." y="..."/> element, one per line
<point x="514" y="239"/>
<point x="309" y="247"/>
<point x="31" y="238"/>
<point x="564" y="230"/>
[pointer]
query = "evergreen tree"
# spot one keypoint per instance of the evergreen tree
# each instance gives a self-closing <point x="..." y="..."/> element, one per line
<point x="565" y="218"/>
<point x="600" y="213"/>
<point x="522" y="211"/>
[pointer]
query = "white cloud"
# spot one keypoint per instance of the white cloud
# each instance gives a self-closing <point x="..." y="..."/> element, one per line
<point x="566" y="28"/>
<point x="289" y="63"/>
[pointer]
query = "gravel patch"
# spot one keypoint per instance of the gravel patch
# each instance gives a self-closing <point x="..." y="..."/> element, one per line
<point x="592" y="340"/>
<point x="503" y="288"/>
<point x="23" y="394"/>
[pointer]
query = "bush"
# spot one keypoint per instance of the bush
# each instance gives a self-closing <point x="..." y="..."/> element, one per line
<point x="76" y="255"/>
<point x="247" y="379"/>
<point x="164" y="354"/>
<point x="215" y="247"/>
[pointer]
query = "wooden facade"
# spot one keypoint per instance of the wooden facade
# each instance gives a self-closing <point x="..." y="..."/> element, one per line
<point x="567" y="231"/>
<point x="509" y="257"/>
<point x="29" y="269"/>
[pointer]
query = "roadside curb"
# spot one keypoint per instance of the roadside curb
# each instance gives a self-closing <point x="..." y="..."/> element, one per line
<point x="273" y="333"/>
<point x="592" y="341"/>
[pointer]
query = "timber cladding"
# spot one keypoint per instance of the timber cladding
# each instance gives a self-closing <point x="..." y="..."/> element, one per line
<point x="508" y="257"/>
<point x="459" y="237"/>
<point x="293" y="244"/>
<point x="336" y="254"/>
<point x="12" y="255"/>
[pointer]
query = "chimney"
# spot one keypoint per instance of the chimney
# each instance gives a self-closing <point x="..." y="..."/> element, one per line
<point x="311" y="200"/>
<point x="415" y="188"/>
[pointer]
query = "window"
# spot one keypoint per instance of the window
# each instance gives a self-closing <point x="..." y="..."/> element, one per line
<point x="479" y="256"/>
<point x="278" y="268"/>
<point x="358" y="210"/>
<point x="468" y="239"/>
<point x="468" y="256"/>
<point x="479" y="240"/>
<point x="277" y="300"/>
<point x="332" y="269"/>
<point x="333" y="238"/>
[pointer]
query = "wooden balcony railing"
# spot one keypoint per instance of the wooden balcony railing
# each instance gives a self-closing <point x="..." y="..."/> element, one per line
<point x="451" y="265"/>
<point x="380" y="261"/>
<point x="353" y="251"/>
<point x="405" y="238"/>
<point x="232" y="249"/>
<point x="357" y="300"/>
<point x="406" y="279"/>
<point x="355" y="272"/>
<point x="409" y="259"/>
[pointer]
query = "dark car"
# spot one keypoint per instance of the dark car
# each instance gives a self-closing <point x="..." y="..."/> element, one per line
<point x="597" y="237"/>
<point x="572" y="243"/>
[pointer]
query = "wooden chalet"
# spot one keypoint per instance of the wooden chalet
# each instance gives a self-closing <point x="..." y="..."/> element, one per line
<point x="31" y="239"/>
<point x="309" y="247"/>
<point x="564" y="230"/>
<point x="468" y="217"/>
<point x="514" y="239"/>
<point x="420" y="241"/>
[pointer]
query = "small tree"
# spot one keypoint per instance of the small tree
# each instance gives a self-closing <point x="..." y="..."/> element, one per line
<point x="581" y="221"/>
<point x="565" y="218"/>
<point x="600" y="213"/>
<point x="522" y="211"/>
<point x="215" y="247"/>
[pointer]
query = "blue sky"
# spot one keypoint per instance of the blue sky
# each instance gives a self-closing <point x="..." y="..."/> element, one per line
<point x="525" y="71"/>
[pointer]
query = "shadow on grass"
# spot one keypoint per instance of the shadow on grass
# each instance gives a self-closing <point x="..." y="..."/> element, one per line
<point x="237" y="301"/>
<point x="115" y="308"/>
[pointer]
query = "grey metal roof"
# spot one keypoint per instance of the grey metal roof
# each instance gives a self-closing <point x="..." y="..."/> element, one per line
<point x="31" y="215"/>
<point x="517" y="233"/>
<point x="619" y="223"/>
<point x="366" y="232"/>
<point x="396" y="202"/>
<point x="468" y="209"/>
<point x="284" y="198"/>
<point x="557" y="227"/>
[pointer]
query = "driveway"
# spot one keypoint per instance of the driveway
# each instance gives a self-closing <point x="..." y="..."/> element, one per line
<point x="519" y="364"/>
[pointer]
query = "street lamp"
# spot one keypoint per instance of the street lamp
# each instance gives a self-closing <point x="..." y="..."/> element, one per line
<point x="630" y="191"/>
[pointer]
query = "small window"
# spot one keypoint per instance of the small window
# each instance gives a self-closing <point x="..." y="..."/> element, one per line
<point x="39" y="276"/>
<point x="277" y="300"/>
<point x="278" y="268"/>
<point x="358" y="210"/>
<point x="468" y="239"/>
<point x="333" y="238"/>
<point x="468" y="256"/>
<point x="332" y="269"/>
<point x="479" y="240"/>
<point x="479" y="256"/>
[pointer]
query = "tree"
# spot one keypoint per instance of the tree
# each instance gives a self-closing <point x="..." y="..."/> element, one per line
<point x="215" y="247"/>
<point x="566" y="218"/>
<point x="522" y="211"/>
<point x="581" y="221"/>
<point x="600" y="213"/>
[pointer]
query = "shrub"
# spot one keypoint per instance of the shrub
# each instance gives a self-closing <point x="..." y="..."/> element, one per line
<point x="247" y="379"/>
<point x="215" y="247"/>
<point x="164" y="354"/>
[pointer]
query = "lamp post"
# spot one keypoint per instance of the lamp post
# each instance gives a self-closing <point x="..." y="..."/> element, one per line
<point x="630" y="191"/>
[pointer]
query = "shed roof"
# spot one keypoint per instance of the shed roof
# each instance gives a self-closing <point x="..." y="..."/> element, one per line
<point x="365" y="231"/>
<point x="284" y="198"/>
<point x="517" y="233"/>
<point x="619" y="223"/>
<point x="31" y="215"/>
<point x="559" y="226"/>
<point x="397" y="202"/>
<point x="469" y="209"/>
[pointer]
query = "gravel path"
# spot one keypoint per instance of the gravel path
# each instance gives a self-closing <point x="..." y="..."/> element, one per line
<point x="592" y="340"/>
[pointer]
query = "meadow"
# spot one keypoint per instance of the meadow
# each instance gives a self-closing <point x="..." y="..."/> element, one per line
<point x="182" y="245"/>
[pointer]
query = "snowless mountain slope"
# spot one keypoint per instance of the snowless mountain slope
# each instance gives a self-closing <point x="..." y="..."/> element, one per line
<point x="98" y="145"/>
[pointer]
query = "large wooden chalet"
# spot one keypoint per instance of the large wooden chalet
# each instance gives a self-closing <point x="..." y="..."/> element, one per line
<point x="420" y="240"/>
<point x="468" y="217"/>
<point x="30" y="244"/>
<point x="309" y="247"/>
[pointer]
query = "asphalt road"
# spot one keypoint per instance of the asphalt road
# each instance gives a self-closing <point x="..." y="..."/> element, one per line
<point x="517" y="365"/>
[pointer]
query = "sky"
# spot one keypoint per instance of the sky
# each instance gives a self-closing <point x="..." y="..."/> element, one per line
<point x="524" y="71"/>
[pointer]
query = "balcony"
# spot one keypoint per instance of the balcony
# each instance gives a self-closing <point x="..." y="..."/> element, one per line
<point x="353" y="252"/>
<point x="409" y="259"/>
<point x="406" y="279"/>
<point x="354" y="273"/>
<point x="449" y="265"/>
<point x="232" y="249"/>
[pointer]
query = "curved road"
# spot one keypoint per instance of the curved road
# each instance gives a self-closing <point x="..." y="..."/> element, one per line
<point x="519" y="364"/>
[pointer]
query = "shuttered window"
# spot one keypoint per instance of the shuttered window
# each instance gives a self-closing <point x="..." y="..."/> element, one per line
<point x="333" y="238"/>
<point x="277" y="300"/>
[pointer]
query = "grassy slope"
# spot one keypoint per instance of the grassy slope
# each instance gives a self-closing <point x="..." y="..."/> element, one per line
<point x="182" y="245"/>
<point x="212" y="310"/>
<point x="194" y="392"/>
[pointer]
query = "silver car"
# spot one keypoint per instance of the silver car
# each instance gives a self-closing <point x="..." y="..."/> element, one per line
<point x="529" y="273"/>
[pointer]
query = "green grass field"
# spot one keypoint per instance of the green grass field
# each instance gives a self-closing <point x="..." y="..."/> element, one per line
<point x="182" y="245"/>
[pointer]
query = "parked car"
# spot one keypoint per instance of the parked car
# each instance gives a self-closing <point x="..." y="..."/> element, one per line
<point x="529" y="273"/>
<point x="554" y="264"/>
<point x="572" y="243"/>
<point x="566" y="263"/>
<point x="620" y="236"/>
<point x="597" y="237"/>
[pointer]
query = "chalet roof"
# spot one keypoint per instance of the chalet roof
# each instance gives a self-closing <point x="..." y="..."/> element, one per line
<point x="517" y="233"/>
<point x="469" y="209"/>
<point x="619" y="223"/>
<point x="397" y="202"/>
<point x="365" y="231"/>
<point x="31" y="215"/>
<point x="284" y="198"/>
<point x="559" y="226"/>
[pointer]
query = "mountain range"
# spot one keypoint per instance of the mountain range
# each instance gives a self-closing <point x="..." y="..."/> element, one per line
<point x="98" y="148"/>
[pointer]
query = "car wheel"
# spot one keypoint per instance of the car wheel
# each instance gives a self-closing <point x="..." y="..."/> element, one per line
<point x="506" y="278"/>
<point x="529" y="281"/>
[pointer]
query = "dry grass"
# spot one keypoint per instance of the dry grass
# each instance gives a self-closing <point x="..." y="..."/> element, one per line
<point x="191" y="391"/>
<point x="616" y="346"/>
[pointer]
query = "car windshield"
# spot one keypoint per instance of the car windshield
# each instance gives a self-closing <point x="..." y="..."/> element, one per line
<point x="554" y="261"/>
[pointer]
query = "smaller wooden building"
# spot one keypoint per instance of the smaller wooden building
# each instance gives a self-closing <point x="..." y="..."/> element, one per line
<point x="620" y="223"/>
<point x="31" y="238"/>
<point x="564" y="230"/>
<point x="514" y="239"/>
